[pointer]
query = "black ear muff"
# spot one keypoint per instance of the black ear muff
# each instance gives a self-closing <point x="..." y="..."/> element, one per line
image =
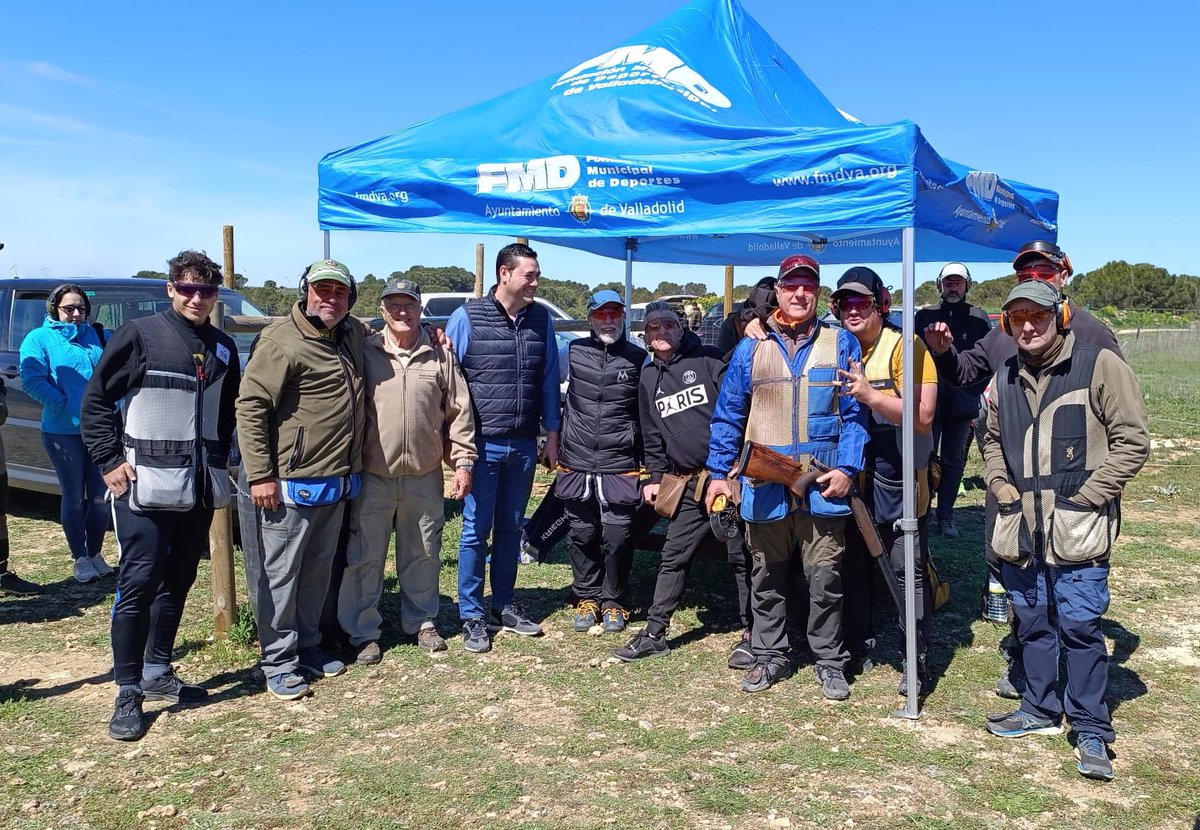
<point x="61" y="291"/>
<point x="835" y="308"/>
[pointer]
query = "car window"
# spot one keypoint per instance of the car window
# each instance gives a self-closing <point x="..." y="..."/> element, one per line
<point x="443" y="306"/>
<point x="28" y="312"/>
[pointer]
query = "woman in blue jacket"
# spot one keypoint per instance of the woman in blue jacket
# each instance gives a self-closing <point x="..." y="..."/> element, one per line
<point x="56" y="363"/>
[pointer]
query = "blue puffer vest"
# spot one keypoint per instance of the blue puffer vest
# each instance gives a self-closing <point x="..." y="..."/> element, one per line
<point x="504" y="365"/>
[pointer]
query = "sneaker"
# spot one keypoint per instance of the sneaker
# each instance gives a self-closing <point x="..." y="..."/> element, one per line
<point x="288" y="686"/>
<point x="1092" y="753"/>
<point x="922" y="682"/>
<point x="861" y="664"/>
<point x="615" y="619"/>
<point x="587" y="614"/>
<point x="85" y="572"/>
<point x="1019" y="723"/>
<point x="170" y="688"/>
<point x="643" y="645"/>
<point x="429" y="640"/>
<point x="317" y="662"/>
<point x="13" y="585"/>
<point x="513" y="618"/>
<point x="127" y="722"/>
<point x="103" y="569"/>
<point x="762" y="677"/>
<point x="742" y="656"/>
<point x="368" y="653"/>
<point x="475" y="636"/>
<point x="947" y="528"/>
<point x="833" y="682"/>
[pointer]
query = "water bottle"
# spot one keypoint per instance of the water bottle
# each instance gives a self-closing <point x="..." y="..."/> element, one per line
<point x="996" y="608"/>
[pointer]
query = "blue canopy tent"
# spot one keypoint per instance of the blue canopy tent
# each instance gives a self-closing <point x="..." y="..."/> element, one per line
<point x="696" y="141"/>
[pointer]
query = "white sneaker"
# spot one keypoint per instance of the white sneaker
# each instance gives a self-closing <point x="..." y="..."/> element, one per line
<point x="103" y="569"/>
<point x="85" y="571"/>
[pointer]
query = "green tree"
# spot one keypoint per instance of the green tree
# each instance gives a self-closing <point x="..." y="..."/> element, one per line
<point x="150" y="275"/>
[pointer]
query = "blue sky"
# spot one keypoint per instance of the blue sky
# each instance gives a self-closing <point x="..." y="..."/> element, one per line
<point x="130" y="131"/>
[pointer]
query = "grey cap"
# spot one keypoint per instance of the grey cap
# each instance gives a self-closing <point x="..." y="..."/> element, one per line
<point x="396" y="286"/>
<point x="605" y="297"/>
<point x="1036" y="291"/>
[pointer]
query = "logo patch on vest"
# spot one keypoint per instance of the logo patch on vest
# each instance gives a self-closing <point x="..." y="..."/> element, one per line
<point x="1070" y="452"/>
<point x="223" y="353"/>
<point x="682" y="400"/>
<point x="623" y="376"/>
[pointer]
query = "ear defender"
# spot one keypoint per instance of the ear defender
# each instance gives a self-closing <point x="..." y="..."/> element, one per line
<point x="1062" y="318"/>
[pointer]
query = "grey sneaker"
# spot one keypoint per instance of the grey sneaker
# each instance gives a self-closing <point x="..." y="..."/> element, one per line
<point x="833" y="682"/>
<point x="288" y="686"/>
<point x="127" y="722"/>
<point x="1019" y="723"/>
<point x="103" y="569"/>
<point x="316" y="662"/>
<point x="512" y="618"/>
<point x="85" y="572"/>
<point x="742" y="656"/>
<point x="642" y="645"/>
<point x="368" y="654"/>
<point x="947" y="528"/>
<point x="475" y="636"/>
<point x="1092" y="753"/>
<point x="762" y="677"/>
<point x="170" y="688"/>
<point x="429" y="640"/>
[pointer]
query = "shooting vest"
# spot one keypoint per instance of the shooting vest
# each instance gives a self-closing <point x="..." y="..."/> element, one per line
<point x="794" y="410"/>
<point x="171" y="425"/>
<point x="884" y="475"/>
<point x="1050" y="453"/>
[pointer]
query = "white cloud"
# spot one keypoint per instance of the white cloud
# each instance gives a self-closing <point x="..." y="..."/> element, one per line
<point x="57" y="73"/>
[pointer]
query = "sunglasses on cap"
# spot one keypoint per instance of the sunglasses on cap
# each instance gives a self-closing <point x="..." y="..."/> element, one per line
<point x="191" y="289"/>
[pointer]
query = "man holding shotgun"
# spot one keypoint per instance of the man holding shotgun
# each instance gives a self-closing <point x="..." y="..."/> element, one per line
<point x="861" y="302"/>
<point x="782" y="392"/>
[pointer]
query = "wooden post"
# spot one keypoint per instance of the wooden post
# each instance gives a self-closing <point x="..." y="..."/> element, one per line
<point x="220" y="532"/>
<point x="728" y="290"/>
<point x="478" y="269"/>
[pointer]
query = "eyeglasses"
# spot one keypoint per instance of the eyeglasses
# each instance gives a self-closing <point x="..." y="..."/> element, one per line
<point x="1038" y="272"/>
<point x="790" y="286"/>
<point x="402" y="308"/>
<point x="859" y="303"/>
<point x="73" y="309"/>
<point x="1038" y="316"/>
<point x="191" y="289"/>
<point x="608" y="314"/>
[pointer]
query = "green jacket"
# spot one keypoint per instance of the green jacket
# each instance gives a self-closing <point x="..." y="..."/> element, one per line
<point x="301" y="409"/>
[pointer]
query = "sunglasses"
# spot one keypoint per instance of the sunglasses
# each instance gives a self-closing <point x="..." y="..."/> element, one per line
<point x="73" y="309"/>
<point x="1037" y="272"/>
<point x="858" y="303"/>
<point x="1038" y="316"/>
<point x="191" y="289"/>
<point x="608" y="313"/>
<point x="402" y="308"/>
<point x="807" y="286"/>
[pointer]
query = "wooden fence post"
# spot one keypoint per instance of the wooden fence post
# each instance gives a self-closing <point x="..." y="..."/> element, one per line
<point x="220" y="532"/>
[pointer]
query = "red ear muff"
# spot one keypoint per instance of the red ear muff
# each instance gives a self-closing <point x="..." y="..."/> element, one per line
<point x="835" y="308"/>
<point x="885" y="301"/>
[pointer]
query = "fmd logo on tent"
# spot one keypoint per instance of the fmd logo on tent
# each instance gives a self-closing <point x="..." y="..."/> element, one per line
<point x="642" y="66"/>
<point x="552" y="173"/>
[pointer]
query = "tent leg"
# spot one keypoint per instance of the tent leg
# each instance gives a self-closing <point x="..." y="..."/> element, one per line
<point x="630" y="246"/>
<point x="908" y="523"/>
<point x="325" y="234"/>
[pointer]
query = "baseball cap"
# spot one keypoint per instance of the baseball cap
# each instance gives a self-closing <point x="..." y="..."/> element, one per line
<point x="1036" y="291"/>
<point x="329" y="269"/>
<point x="954" y="269"/>
<point x="602" y="298"/>
<point x="860" y="280"/>
<point x="798" y="264"/>
<point x="1038" y="249"/>
<point x="397" y="286"/>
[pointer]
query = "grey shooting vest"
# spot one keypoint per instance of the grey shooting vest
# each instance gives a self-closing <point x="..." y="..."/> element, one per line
<point x="171" y="426"/>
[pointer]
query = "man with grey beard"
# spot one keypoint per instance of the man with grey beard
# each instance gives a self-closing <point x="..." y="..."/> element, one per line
<point x="599" y="456"/>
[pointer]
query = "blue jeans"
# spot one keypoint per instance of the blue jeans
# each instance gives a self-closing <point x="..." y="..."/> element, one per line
<point x="500" y="491"/>
<point x="84" y="510"/>
<point x="1079" y="596"/>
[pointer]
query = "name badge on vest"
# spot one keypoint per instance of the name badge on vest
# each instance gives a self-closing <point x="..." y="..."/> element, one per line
<point x="223" y="353"/>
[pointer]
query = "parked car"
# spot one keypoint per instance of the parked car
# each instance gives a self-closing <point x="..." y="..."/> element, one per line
<point x="115" y="301"/>
<point x="439" y="305"/>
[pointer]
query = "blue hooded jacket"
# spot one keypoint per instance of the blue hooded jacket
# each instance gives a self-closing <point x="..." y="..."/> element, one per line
<point x="57" y="361"/>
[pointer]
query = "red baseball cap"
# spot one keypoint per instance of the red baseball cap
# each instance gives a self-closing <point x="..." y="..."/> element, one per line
<point x="799" y="263"/>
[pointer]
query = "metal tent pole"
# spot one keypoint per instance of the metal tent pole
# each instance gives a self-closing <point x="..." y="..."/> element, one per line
<point x="631" y="245"/>
<point x="325" y="234"/>
<point x="908" y="523"/>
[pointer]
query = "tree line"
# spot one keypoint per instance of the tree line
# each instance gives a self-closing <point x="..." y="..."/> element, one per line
<point x="1116" y="285"/>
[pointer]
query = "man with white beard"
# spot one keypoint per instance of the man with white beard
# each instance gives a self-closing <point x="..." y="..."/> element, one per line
<point x="599" y="456"/>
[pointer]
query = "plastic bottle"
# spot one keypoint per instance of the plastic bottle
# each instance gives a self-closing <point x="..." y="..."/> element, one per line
<point x="996" y="608"/>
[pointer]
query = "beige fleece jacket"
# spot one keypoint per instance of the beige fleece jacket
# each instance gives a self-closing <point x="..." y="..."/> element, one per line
<point x="417" y="400"/>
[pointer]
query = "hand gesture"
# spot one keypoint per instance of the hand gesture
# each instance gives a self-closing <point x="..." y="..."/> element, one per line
<point x="938" y="337"/>
<point x="854" y="382"/>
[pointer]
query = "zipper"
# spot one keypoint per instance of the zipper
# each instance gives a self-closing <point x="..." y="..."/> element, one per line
<point x="297" y="449"/>
<point x="199" y="456"/>
<point x="353" y="407"/>
<point x="1039" y="540"/>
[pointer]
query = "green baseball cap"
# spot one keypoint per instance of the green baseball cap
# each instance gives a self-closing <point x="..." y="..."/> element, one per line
<point x="1037" y="291"/>
<point x="324" y="270"/>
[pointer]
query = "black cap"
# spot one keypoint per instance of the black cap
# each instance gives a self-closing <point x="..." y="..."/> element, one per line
<point x="860" y="280"/>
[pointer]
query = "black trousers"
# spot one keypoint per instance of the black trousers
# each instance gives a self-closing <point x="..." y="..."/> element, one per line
<point x="601" y="550"/>
<point x="687" y="534"/>
<point x="3" y="522"/>
<point x="950" y="436"/>
<point x="159" y="555"/>
<point x="861" y="590"/>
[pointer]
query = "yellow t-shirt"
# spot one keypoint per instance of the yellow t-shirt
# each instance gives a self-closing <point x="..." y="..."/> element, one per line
<point x="926" y="371"/>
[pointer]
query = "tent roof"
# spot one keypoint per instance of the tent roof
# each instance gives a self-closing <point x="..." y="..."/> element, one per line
<point x="701" y="139"/>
